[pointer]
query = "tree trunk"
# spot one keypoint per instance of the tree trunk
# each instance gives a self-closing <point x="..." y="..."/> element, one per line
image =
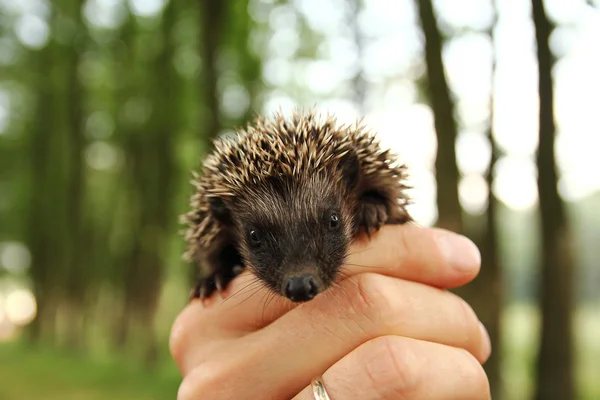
<point x="250" y="67"/>
<point x="160" y="161"/>
<point x="555" y="357"/>
<point x="37" y="236"/>
<point x="42" y="237"/>
<point x="446" y="169"/>
<point x="125" y="77"/>
<point x="150" y="168"/>
<point x="211" y="20"/>
<point x="486" y="291"/>
<point x="76" y="284"/>
<point x="359" y="84"/>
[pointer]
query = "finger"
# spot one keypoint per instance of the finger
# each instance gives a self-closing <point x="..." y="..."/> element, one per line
<point x="395" y="367"/>
<point x="223" y="316"/>
<point x="389" y="367"/>
<point x="204" y="326"/>
<point x="431" y="256"/>
<point x="382" y="306"/>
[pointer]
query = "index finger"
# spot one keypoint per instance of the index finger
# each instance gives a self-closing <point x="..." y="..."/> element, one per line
<point x="432" y="256"/>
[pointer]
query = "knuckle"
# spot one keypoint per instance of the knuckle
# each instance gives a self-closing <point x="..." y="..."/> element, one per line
<point x="177" y="338"/>
<point x="389" y="368"/>
<point x="185" y="328"/>
<point x="396" y="243"/>
<point x="469" y="316"/>
<point x="375" y="301"/>
<point x="403" y="238"/>
<point x="468" y="321"/>
<point x="188" y="388"/>
<point x="407" y="236"/>
<point x="471" y="370"/>
<point x="466" y="312"/>
<point x="203" y="380"/>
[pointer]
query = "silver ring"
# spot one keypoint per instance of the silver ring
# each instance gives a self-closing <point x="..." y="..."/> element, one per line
<point x="319" y="389"/>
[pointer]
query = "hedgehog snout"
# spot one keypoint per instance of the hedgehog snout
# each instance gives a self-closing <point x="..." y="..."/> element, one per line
<point x="301" y="287"/>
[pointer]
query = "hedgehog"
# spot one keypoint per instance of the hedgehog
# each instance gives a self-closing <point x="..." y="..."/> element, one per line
<point x="285" y="198"/>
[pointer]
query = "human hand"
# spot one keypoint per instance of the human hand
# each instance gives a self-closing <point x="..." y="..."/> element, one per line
<point x="387" y="331"/>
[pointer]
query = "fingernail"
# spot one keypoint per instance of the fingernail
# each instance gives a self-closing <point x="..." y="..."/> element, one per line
<point x="487" y="343"/>
<point x="460" y="252"/>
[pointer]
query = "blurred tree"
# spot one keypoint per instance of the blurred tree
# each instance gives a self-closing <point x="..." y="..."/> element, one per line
<point x="77" y="281"/>
<point x="484" y="293"/>
<point x="40" y="239"/>
<point x="126" y="77"/>
<point x="360" y="86"/>
<point x="555" y="357"/>
<point x="211" y="20"/>
<point x="47" y="196"/>
<point x="248" y="63"/>
<point x="150" y="171"/>
<point x="446" y="169"/>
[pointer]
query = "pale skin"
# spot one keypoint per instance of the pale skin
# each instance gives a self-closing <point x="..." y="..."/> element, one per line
<point x="389" y="330"/>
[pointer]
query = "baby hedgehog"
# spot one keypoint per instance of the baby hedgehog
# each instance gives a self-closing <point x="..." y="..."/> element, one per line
<point x="285" y="198"/>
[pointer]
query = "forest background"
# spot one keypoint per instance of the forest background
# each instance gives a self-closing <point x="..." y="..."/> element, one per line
<point x="106" y="106"/>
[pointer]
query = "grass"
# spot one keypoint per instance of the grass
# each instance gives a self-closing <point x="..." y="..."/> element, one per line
<point x="33" y="373"/>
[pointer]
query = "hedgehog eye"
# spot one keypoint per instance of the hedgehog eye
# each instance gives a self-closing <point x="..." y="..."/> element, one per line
<point x="254" y="238"/>
<point x="334" y="221"/>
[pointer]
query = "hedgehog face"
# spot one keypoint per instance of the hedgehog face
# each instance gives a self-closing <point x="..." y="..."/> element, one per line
<point x="280" y="198"/>
<point x="294" y="235"/>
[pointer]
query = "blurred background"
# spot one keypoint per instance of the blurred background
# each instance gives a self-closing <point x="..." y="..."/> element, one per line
<point x="107" y="105"/>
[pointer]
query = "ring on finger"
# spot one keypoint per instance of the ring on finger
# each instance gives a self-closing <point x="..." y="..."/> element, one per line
<point x="319" y="389"/>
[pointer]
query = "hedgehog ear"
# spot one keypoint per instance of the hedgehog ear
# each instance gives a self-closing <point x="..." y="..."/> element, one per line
<point x="349" y="168"/>
<point x="219" y="209"/>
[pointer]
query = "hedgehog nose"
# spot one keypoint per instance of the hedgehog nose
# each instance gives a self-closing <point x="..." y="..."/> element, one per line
<point x="301" y="288"/>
